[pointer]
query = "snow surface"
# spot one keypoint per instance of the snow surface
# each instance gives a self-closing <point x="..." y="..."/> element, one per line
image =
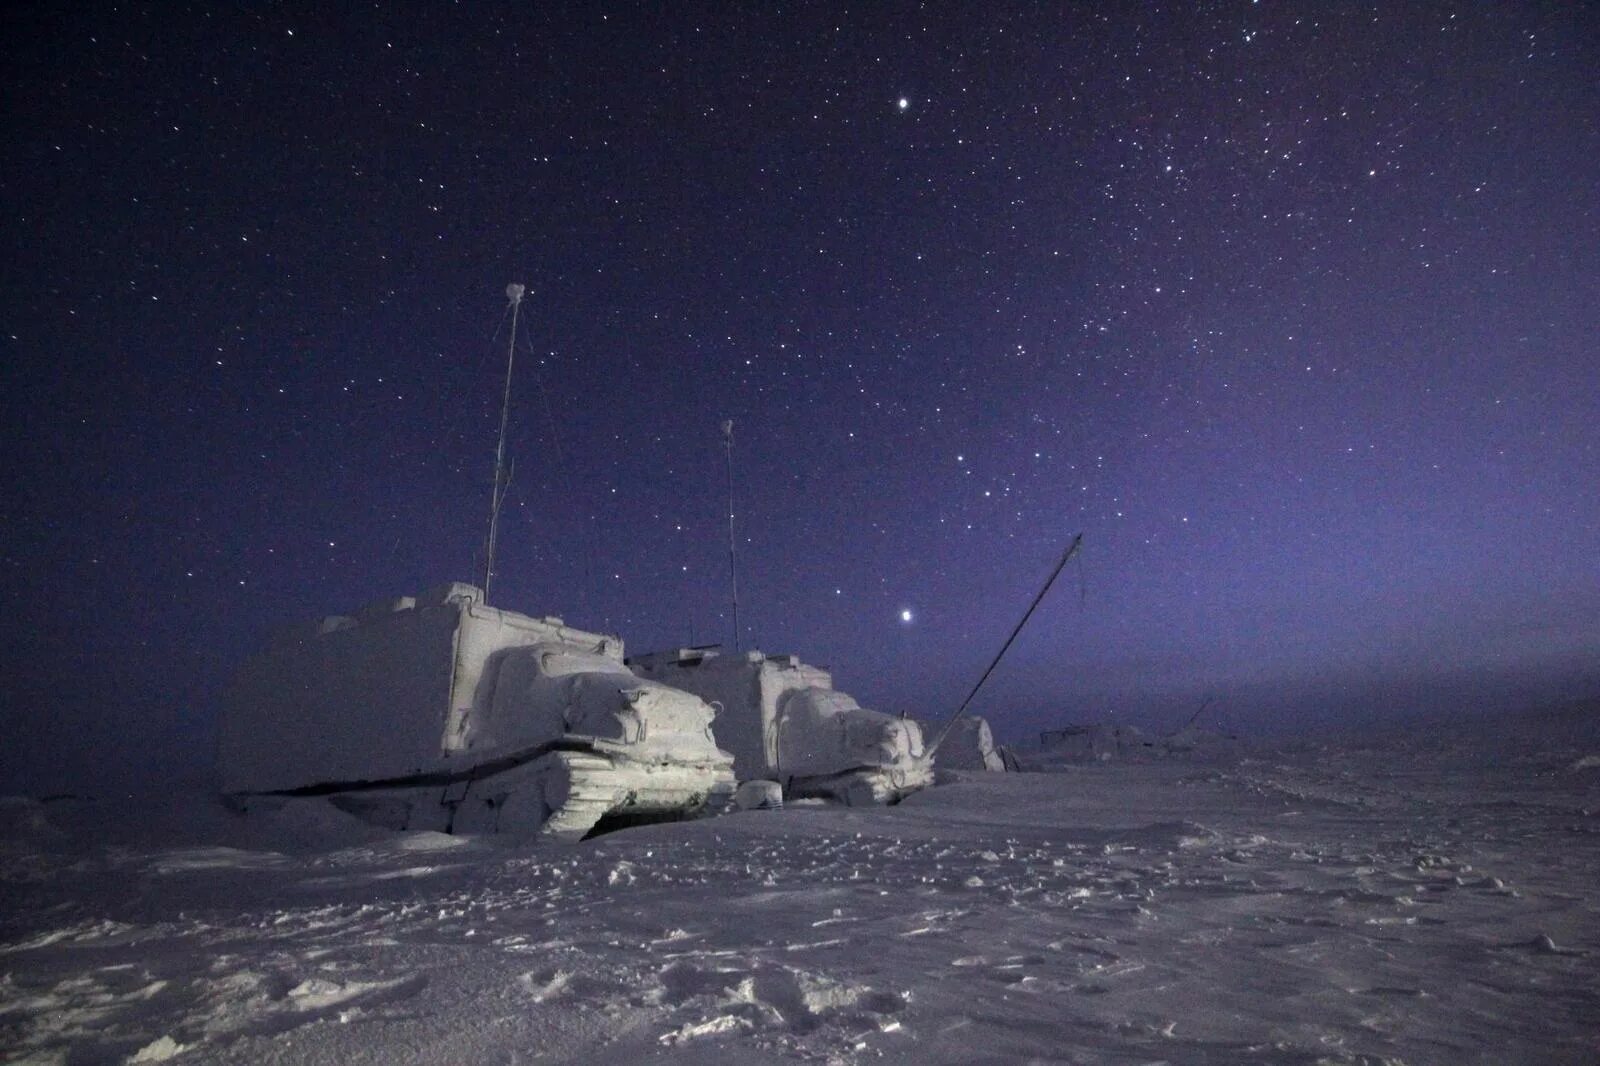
<point x="1416" y="904"/>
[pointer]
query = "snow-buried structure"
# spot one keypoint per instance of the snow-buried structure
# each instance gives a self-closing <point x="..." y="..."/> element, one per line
<point x="440" y="712"/>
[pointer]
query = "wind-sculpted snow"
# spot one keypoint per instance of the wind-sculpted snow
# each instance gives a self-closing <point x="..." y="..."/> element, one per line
<point x="1309" y="907"/>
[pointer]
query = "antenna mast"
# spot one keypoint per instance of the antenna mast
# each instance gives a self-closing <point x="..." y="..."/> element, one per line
<point x="1072" y="549"/>
<point x="514" y="294"/>
<point x="1195" y="717"/>
<point x="733" y="558"/>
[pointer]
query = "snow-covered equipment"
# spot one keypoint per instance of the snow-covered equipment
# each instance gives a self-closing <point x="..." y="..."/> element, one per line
<point x="758" y="796"/>
<point x="441" y="712"/>
<point x="1095" y="742"/>
<point x="1101" y="742"/>
<point x="970" y="746"/>
<point x="783" y="720"/>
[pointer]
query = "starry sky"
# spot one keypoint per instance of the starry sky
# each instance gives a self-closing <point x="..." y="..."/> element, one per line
<point x="1288" y="308"/>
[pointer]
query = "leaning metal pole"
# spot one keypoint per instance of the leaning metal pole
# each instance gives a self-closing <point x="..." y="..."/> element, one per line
<point x="497" y="497"/>
<point x="733" y="557"/>
<point x="1072" y="550"/>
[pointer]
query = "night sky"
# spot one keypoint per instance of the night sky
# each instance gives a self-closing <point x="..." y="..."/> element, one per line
<point x="1289" y="308"/>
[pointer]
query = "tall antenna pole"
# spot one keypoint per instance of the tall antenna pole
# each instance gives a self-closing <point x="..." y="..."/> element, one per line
<point x="514" y="294"/>
<point x="1195" y="717"/>
<point x="733" y="557"/>
<point x="1072" y="549"/>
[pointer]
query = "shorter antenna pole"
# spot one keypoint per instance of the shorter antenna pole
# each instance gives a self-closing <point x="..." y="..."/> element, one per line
<point x="733" y="556"/>
<point x="497" y="497"/>
<point x="1072" y="549"/>
<point x="1195" y="717"/>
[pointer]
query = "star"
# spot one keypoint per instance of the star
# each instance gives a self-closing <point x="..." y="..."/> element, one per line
<point x="905" y="614"/>
<point x="902" y="103"/>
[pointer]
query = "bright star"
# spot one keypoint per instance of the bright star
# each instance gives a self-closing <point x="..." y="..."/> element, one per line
<point x="902" y="103"/>
<point x="905" y="615"/>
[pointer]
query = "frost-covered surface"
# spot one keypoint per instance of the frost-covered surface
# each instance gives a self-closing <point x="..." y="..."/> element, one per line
<point x="1320" y="905"/>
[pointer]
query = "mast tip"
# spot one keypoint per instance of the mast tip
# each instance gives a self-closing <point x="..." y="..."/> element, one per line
<point x="514" y="292"/>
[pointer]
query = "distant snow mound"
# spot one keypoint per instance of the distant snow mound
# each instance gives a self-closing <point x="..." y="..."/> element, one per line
<point x="1105" y="742"/>
<point x="312" y="822"/>
<point x="429" y="840"/>
<point x="24" y="817"/>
